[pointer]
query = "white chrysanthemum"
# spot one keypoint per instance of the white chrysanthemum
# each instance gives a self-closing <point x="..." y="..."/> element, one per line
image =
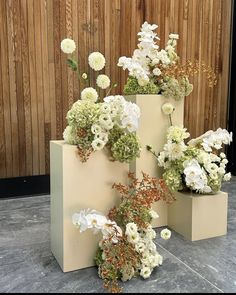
<point x="227" y="177"/>
<point x="165" y="234"/>
<point x="98" y="144"/>
<point x="90" y="94"/>
<point x="167" y="108"/>
<point x="103" y="81"/>
<point x="68" y="46"/>
<point x="145" y="272"/>
<point x="96" y="61"/>
<point x="174" y="151"/>
<point x="177" y="133"/>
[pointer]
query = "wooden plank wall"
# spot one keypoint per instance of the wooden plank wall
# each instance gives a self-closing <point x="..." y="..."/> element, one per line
<point x="37" y="89"/>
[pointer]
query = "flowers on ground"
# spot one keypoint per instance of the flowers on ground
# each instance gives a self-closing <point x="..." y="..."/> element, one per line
<point x="158" y="71"/>
<point x="196" y="164"/>
<point x="127" y="247"/>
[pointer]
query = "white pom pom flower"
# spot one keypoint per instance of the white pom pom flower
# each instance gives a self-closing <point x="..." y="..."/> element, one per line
<point x="96" y="61"/>
<point x="167" y="108"/>
<point x="165" y="234"/>
<point x="68" y="46"/>
<point x="103" y="81"/>
<point x="90" y="94"/>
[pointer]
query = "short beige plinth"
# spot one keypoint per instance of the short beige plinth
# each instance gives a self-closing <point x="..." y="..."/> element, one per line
<point x="76" y="186"/>
<point x="198" y="217"/>
<point x="152" y="129"/>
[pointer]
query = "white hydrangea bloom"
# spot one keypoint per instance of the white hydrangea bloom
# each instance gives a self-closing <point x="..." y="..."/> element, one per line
<point x="68" y="46"/>
<point x="96" y="61"/>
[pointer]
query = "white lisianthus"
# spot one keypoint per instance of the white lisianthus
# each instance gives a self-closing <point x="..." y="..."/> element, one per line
<point x="98" y="144"/>
<point x="90" y="94"/>
<point x="227" y="177"/>
<point x="133" y="238"/>
<point x="105" y="108"/>
<point x="96" y="61"/>
<point x="102" y="136"/>
<point x="165" y="234"/>
<point x="103" y="81"/>
<point x="145" y="272"/>
<point x="174" y="36"/>
<point x="106" y="121"/>
<point x="68" y="46"/>
<point x="153" y="214"/>
<point x="156" y="72"/>
<point x="96" y="129"/>
<point x="84" y="76"/>
<point x="140" y="247"/>
<point x="167" y="108"/>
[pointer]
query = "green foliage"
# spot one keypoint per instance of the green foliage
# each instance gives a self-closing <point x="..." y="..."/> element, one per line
<point x="132" y="87"/>
<point x="72" y="64"/>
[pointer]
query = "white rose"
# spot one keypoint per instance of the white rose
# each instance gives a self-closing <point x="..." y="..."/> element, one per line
<point x="96" y="61"/>
<point x="103" y="81"/>
<point x="165" y="234"/>
<point x="167" y="108"/>
<point x="89" y="93"/>
<point x="68" y="46"/>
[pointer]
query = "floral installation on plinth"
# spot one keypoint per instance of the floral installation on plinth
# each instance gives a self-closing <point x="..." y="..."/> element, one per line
<point x="159" y="71"/>
<point x="198" y="165"/>
<point x="94" y="122"/>
<point x="127" y="247"/>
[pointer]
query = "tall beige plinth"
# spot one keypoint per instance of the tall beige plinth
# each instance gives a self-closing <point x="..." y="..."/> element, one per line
<point x="76" y="186"/>
<point x="198" y="217"/>
<point x="152" y="129"/>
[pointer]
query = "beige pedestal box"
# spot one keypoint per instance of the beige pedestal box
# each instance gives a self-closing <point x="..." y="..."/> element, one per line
<point x="152" y="129"/>
<point x="76" y="186"/>
<point x="198" y="217"/>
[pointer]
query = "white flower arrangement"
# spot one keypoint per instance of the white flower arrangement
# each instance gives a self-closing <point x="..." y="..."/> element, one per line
<point x="158" y="71"/>
<point x="194" y="165"/>
<point x="126" y="248"/>
<point x="95" y="122"/>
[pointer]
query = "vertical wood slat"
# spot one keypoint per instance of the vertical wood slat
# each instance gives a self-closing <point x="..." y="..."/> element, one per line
<point x="37" y="88"/>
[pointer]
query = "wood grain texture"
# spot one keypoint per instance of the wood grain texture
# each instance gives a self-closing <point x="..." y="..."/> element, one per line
<point x="37" y="88"/>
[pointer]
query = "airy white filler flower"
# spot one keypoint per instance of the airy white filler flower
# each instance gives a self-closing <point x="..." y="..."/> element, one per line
<point x="68" y="46"/>
<point x="96" y="61"/>
<point x="89" y="93"/>
<point x="167" y="108"/>
<point x="103" y="81"/>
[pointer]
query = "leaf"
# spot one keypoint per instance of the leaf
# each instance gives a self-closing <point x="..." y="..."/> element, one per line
<point x="72" y="64"/>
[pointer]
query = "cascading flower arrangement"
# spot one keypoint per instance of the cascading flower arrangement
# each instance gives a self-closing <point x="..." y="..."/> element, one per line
<point x="155" y="71"/>
<point x="127" y="247"/>
<point x="95" y="123"/>
<point x="198" y="165"/>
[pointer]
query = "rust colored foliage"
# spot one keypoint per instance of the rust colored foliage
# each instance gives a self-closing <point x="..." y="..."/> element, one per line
<point x="137" y="199"/>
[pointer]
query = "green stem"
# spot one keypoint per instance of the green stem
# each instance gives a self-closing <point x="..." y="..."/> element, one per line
<point x="171" y="124"/>
<point x="149" y="148"/>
